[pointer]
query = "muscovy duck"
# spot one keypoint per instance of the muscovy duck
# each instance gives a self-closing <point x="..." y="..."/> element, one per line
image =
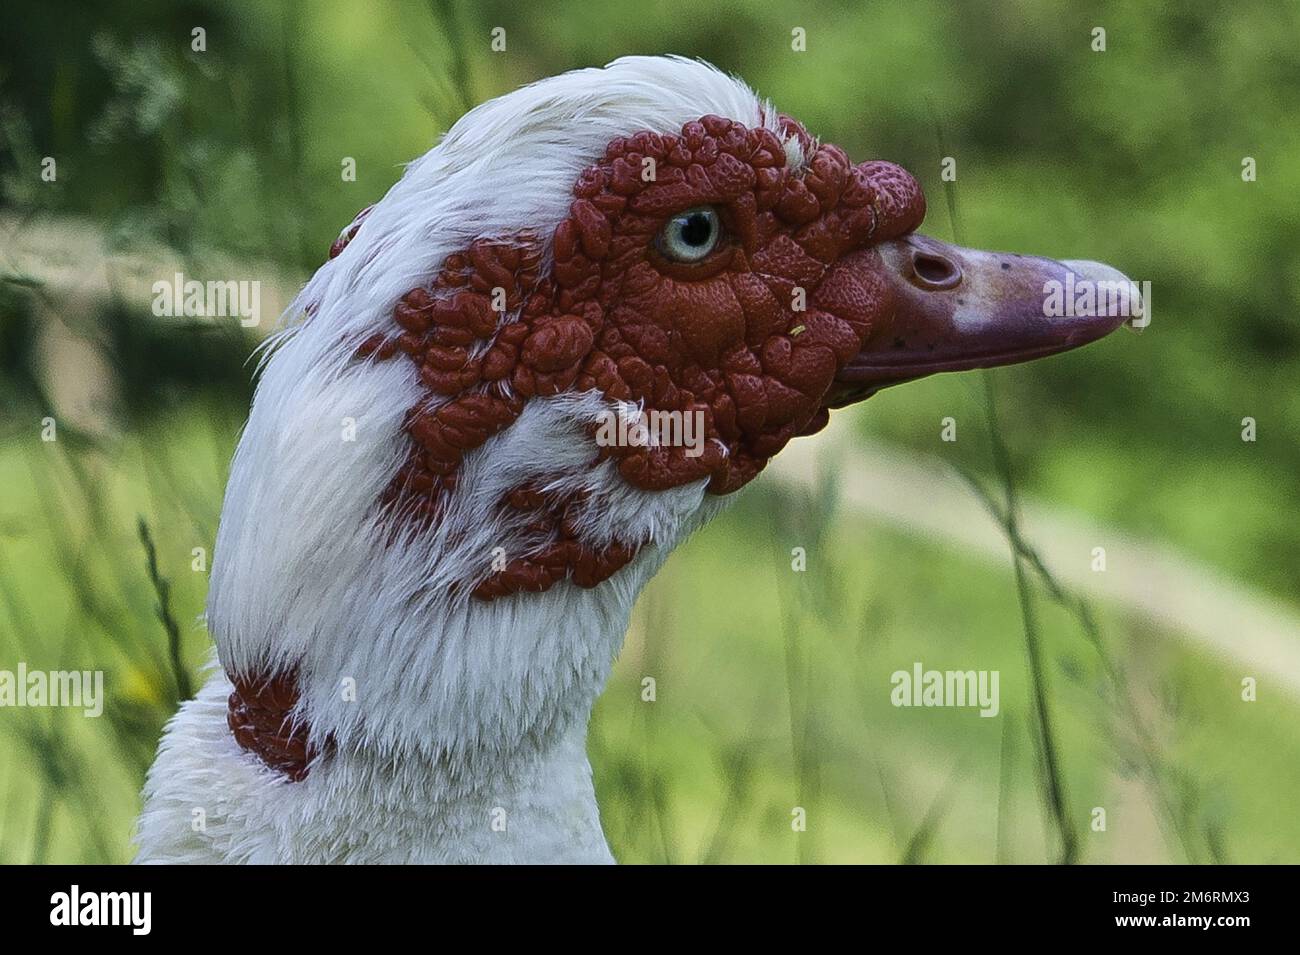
<point x="426" y="561"/>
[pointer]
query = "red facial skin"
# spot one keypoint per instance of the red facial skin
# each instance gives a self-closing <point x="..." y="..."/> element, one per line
<point x="721" y="336"/>
<point x="257" y="713"/>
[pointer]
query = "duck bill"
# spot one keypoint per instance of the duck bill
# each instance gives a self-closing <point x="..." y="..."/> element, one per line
<point x="957" y="309"/>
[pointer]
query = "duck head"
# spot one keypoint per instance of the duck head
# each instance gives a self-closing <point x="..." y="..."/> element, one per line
<point x="423" y="502"/>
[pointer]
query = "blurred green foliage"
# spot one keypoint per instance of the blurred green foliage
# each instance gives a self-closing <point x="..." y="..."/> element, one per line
<point x="1132" y="156"/>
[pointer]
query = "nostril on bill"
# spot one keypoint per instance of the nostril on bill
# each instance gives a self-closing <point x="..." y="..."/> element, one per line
<point x="933" y="271"/>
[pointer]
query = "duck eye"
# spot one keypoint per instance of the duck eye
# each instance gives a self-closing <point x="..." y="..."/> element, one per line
<point x="691" y="235"/>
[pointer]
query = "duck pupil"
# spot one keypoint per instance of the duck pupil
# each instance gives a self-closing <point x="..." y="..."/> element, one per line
<point x="696" y="229"/>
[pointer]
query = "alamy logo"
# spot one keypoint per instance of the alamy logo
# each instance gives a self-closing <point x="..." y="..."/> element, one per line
<point x="214" y="299"/>
<point x="103" y="908"/>
<point x="960" y="688"/>
<point x="82" y="689"/>
<point x="1084" y="298"/>
<point x="632" y="427"/>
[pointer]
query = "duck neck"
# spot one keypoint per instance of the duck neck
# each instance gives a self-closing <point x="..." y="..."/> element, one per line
<point x="415" y="703"/>
<point x="463" y="730"/>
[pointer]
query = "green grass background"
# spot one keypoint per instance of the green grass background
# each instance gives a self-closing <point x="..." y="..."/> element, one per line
<point x="772" y="687"/>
